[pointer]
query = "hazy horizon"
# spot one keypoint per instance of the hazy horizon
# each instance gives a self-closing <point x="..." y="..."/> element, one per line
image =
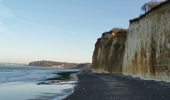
<point x="59" y="30"/>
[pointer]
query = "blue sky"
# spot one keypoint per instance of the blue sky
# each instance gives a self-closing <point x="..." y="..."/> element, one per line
<point x="59" y="30"/>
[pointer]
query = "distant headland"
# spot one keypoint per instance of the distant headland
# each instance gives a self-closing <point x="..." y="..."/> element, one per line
<point x="45" y="63"/>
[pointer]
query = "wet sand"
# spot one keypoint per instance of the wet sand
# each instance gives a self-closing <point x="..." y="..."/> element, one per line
<point x="102" y="86"/>
<point x="56" y="86"/>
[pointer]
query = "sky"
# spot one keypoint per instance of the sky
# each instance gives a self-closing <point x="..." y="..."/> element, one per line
<point x="59" y="30"/>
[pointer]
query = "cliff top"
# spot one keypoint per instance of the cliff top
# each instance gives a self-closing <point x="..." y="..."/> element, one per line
<point x="153" y="9"/>
<point x="114" y="32"/>
<point x="118" y="30"/>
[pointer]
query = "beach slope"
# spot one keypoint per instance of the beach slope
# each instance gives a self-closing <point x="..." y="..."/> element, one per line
<point x="102" y="86"/>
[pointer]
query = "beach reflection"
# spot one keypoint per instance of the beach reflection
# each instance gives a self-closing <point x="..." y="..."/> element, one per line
<point x="32" y="91"/>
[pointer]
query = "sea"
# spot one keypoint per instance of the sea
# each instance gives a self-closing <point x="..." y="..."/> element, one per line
<point x="21" y="82"/>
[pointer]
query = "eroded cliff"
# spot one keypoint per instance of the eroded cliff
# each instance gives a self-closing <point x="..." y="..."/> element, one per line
<point x="146" y="52"/>
<point x="109" y="51"/>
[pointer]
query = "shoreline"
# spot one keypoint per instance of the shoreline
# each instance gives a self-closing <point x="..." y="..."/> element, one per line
<point x="36" y="83"/>
<point x="114" y="86"/>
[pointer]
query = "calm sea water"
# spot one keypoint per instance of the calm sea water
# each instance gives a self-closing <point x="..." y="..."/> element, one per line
<point x="21" y="83"/>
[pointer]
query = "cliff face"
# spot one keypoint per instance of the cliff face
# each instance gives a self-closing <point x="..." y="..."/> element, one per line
<point x="109" y="51"/>
<point x="147" y="51"/>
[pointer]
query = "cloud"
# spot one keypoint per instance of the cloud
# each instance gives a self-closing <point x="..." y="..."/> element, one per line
<point x="5" y="13"/>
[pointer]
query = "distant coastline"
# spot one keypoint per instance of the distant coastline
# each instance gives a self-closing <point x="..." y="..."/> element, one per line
<point x="54" y="64"/>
